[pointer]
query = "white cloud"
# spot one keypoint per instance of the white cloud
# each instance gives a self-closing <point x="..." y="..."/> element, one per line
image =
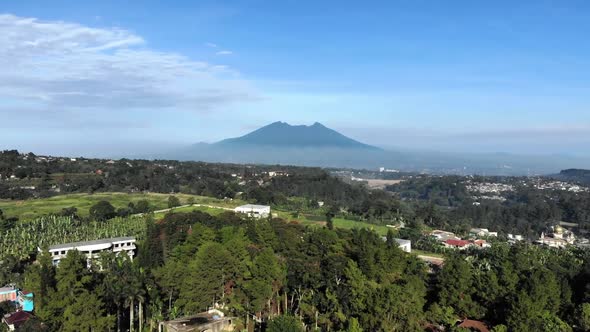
<point x="224" y="53"/>
<point x="212" y="45"/>
<point x="55" y="64"/>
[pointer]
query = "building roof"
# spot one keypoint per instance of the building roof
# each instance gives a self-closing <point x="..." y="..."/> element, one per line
<point x="457" y="243"/>
<point x="17" y="318"/>
<point x="474" y="324"/>
<point x="7" y="289"/>
<point x="89" y="243"/>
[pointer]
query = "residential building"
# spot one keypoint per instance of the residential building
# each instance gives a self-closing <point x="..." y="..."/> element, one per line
<point x="405" y="245"/>
<point x="481" y="232"/>
<point x="515" y="237"/>
<point x="252" y="210"/>
<point x="458" y="244"/>
<point x="8" y="293"/>
<point x="92" y="249"/>
<point x="443" y="235"/>
<point x="14" y="320"/>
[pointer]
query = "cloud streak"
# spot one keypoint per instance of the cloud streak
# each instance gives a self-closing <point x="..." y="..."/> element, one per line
<point x="56" y="64"/>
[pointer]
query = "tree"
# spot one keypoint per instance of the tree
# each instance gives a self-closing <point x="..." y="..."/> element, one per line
<point x="353" y="325"/>
<point x="329" y="216"/>
<point x="86" y="313"/>
<point x="190" y="201"/>
<point x="102" y="211"/>
<point x="584" y="316"/>
<point x="209" y="274"/>
<point x="142" y="206"/>
<point x="284" y="323"/>
<point x="455" y="287"/>
<point x="69" y="212"/>
<point x="173" y="202"/>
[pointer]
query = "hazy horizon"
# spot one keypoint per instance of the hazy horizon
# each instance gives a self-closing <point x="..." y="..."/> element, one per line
<point x="108" y="78"/>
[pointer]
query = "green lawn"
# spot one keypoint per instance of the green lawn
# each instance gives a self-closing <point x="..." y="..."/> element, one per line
<point x="338" y="222"/>
<point x="33" y="208"/>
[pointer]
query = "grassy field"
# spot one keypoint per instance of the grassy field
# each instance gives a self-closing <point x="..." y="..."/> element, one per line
<point x="34" y="208"/>
<point x="30" y="209"/>
<point x="338" y="222"/>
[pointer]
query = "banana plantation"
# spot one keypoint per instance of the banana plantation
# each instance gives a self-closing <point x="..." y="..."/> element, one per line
<point x="24" y="238"/>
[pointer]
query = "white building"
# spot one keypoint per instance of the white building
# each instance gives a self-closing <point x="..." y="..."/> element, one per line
<point x="479" y="232"/>
<point x="405" y="245"/>
<point x="252" y="210"/>
<point x="92" y="249"/>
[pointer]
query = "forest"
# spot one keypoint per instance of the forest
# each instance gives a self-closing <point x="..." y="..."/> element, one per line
<point x="273" y="275"/>
<point x="278" y="274"/>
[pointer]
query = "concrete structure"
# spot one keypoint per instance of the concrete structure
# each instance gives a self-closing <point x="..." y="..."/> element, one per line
<point x="252" y="210"/>
<point x="211" y="321"/>
<point x="92" y="249"/>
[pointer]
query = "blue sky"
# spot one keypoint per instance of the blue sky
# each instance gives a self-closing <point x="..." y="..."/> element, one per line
<point x="108" y="77"/>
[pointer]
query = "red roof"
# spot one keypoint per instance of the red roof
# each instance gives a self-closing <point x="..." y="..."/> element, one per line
<point x="457" y="243"/>
<point x="474" y="324"/>
<point x="18" y="318"/>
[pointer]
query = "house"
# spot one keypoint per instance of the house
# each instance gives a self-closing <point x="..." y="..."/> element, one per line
<point x="252" y="210"/>
<point x="92" y="249"/>
<point x="480" y="232"/>
<point x="405" y="245"/>
<point x="443" y="235"/>
<point x="23" y="299"/>
<point x="515" y="237"/>
<point x="481" y="243"/>
<point x="8" y="293"/>
<point x="16" y="319"/>
<point x="211" y="321"/>
<point x="457" y="244"/>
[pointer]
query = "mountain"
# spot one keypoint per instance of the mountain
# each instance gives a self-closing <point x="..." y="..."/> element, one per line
<point x="283" y="135"/>
<point x="317" y="145"/>
<point x="574" y="175"/>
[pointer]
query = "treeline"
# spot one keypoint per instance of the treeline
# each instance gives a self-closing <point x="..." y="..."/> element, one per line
<point x="278" y="276"/>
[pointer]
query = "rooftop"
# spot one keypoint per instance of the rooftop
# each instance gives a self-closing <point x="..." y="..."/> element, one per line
<point x="89" y="243"/>
<point x="17" y="318"/>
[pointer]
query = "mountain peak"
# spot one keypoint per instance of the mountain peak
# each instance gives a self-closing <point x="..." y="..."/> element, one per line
<point x="282" y="134"/>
